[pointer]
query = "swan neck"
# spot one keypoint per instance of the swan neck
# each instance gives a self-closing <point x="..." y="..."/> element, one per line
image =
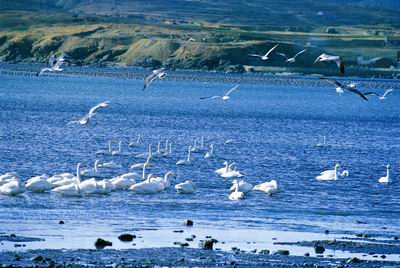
<point x="144" y="172"/>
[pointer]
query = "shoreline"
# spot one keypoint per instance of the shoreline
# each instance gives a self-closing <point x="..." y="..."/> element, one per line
<point x="138" y="73"/>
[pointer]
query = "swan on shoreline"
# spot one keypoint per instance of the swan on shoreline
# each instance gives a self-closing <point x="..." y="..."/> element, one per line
<point x="106" y="152"/>
<point x="13" y="187"/>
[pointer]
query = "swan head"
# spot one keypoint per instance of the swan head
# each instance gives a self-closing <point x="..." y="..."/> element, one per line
<point x="234" y="181"/>
<point x="337" y="165"/>
<point x="388" y="167"/>
<point x="226" y="163"/>
<point x="170" y="174"/>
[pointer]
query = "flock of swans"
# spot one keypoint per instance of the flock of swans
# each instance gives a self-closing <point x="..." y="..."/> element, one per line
<point x="68" y="184"/>
<point x="87" y="181"/>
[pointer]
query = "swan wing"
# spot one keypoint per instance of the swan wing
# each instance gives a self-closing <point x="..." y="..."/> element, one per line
<point x="231" y="90"/>
<point x="269" y="51"/>
<point x="298" y="53"/>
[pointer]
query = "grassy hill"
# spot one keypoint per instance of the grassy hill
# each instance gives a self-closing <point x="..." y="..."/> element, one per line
<point x="221" y="33"/>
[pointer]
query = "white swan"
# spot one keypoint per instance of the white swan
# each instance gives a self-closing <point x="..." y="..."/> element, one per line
<point x="169" y="151"/>
<point x="104" y="187"/>
<point x="146" y="187"/>
<point x="332" y="174"/>
<point x="323" y="143"/>
<point x="186" y="187"/>
<point x="38" y="184"/>
<point x="145" y="155"/>
<point x="164" y="181"/>
<point x="71" y="189"/>
<point x="106" y="152"/>
<point x="223" y="169"/>
<point x="8" y="177"/>
<point x="232" y="172"/>
<point x="210" y="153"/>
<point x="67" y="179"/>
<point x="118" y="152"/>
<point x="270" y="187"/>
<point x="89" y="186"/>
<point x="244" y="186"/>
<point x="236" y="194"/>
<point x="188" y="160"/>
<point x="387" y="178"/>
<point x="92" y="172"/>
<point x="124" y="181"/>
<point x="195" y="148"/>
<point x="165" y="150"/>
<point x="13" y="187"/>
<point x="110" y="165"/>
<point x="135" y="144"/>
<point x="158" y="153"/>
<point x="141" y="165"/>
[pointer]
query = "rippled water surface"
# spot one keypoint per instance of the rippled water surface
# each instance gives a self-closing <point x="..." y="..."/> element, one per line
<point x="275" y="128"/>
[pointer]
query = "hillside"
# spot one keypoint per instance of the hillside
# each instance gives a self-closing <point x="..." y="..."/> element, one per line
<point x="221" y="33"/>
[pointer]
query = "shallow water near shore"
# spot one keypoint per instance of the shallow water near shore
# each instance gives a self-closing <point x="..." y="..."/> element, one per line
<point x="275" y="129"/>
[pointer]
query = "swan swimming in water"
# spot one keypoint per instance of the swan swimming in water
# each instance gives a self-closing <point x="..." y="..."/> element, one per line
<point x="210" y="153"/>
<point x="106" y="152"/>
<point x="323" y="143"/>
<point x="146" y="187"/>
<point x="92" y="172"/>
<point x="236" y="194"/>
<point x="231" y="173"/>
<point x="332" y="174"/>
<point x="8" y="177"/>
<point x="387" y="178"/>
<point x="38" y="184"/>
<point x="164" y="181"/>
<point x="145" y="155"/>
<point x="141" y="165"/>
<point x="223" y="169"/>
<point x="244" y="186"/>
<point x="110" y="165"/>
<point x="67" y="179"/>
<point x="13" y="187"/>
<point x="188" y="160"/>
<point x="118" y="152"/>
<point x="186" y="187"/>
<point x="135" y="144"/>
<point x="71" y="189"/>
<point x="125" y="181"/>
<point x="270" y="187"/>
<point x="169" y="151"/>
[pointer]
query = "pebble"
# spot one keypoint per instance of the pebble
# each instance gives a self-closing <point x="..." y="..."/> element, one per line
<point x="188" y="223"/>
<point x="101" y="243"/>
<point x="126" y="237"/>
<point x="284" y="252"/>
<point x="319" y="249"/>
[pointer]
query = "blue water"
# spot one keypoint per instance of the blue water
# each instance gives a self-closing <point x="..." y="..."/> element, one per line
<point x="276" y="129"/>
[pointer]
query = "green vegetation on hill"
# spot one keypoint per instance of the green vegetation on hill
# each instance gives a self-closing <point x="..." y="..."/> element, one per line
<point x="197" y="34"/>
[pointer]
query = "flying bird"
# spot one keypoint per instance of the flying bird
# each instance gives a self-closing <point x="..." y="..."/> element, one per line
<point x="264" y="57"/>
<point x="86" y="118"/>
<point x="153" y="76"/>
<point x="383" y="97"/>
<point x="351" y="87"/>
<point x="330" y="58"/>
<point x="54" y="64"/>
<point x="292" y="59"/>
<point x="225" y="97"/>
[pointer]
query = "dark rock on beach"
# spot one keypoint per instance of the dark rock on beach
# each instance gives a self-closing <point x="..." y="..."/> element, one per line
<point x="126" y="237"/>
<point x="101" y="243"/>
<point x="188" y="223"/>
